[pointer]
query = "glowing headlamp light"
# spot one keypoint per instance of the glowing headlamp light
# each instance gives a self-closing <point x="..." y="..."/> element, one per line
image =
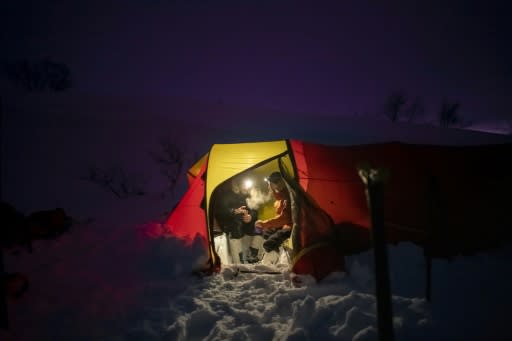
<point x="248" y="184"/>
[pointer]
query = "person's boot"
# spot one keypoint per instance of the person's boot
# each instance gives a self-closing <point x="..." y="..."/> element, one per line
<point x="270" y="258"/>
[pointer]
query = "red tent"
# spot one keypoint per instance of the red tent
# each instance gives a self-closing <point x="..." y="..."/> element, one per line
<point x="450" y="200"/>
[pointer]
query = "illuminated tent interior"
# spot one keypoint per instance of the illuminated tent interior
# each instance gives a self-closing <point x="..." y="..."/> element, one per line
<point x="449" y="200"/>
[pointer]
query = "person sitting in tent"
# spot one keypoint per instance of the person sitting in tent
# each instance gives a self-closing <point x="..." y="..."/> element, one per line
<point x="278" y="228"/>
<point x="236" y="219"/>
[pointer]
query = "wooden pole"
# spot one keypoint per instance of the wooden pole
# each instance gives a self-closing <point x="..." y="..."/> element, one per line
<point x="374" y="181"/>
<point x="428" y="276"/>
<point x="4" y="318"/>
<point x="432" y="221"/>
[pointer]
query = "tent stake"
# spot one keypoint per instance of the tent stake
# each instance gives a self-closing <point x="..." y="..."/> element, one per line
<point x="374" y="181"/>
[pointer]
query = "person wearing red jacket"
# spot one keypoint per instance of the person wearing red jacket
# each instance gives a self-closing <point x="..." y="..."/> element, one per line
<point x="278" y="228"/>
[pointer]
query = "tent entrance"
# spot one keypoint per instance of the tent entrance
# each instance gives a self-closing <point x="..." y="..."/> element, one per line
<point x="236" y="242"/>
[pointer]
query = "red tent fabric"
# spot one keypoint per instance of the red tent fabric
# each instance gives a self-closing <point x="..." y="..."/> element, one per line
<point x="188" y="219"/>
<point x="449" y="200"/>
<point x="452" y="198"/>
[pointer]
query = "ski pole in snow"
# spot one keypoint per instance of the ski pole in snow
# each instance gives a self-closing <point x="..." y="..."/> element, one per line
<point x="433" y="210"/>
<point x="374" y="182"/>
<point x="4" y="321"/>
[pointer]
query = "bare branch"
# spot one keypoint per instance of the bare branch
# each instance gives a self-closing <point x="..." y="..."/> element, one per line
<point x="170" y="159"/>
<point x="394" y="106"/>
<point x="448" y="114"/>
<point x="415" y="109"/>
<point x="38" y="75"/>
<point x="114" y="180"/>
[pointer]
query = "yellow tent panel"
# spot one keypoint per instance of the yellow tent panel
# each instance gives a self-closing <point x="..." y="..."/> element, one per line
<point x="196" y="168"/>
<point x="228" y="160"/>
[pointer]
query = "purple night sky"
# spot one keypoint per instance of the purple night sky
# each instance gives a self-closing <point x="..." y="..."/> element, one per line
<point x="329" y="57"/>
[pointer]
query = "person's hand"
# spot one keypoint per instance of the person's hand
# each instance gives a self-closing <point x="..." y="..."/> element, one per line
<point x="240" y="210"/>
<point x="246" y="218"/>
<point x="258" y="224"/>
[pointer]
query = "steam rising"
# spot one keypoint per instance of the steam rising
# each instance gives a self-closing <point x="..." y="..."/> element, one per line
<point x="257" y="198"/>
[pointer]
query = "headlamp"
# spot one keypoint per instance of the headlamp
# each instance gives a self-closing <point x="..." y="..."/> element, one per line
<point x="248" y="184"/>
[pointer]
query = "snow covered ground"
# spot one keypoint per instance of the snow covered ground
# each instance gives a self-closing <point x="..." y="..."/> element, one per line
<point x="115" y="277"/>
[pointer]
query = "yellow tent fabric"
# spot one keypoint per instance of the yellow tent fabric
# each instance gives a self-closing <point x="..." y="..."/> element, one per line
<point x="228" y="160"/>
<point x="196" y="168"/>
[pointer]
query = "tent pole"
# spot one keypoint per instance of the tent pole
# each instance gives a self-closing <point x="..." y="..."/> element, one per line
<point x="374" y="181"/>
